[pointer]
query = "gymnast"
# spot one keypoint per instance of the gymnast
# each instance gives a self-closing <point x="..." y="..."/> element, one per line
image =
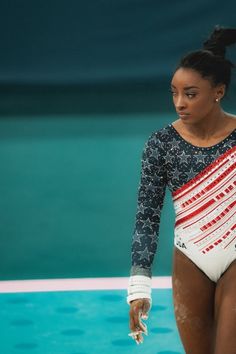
<point x="195" y="157"/>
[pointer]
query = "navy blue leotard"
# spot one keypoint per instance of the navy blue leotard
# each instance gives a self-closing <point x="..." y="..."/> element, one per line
<point x="170" y="161"/>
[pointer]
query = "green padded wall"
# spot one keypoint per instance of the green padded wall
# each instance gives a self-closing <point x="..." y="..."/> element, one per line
<point x="68" y="195"/>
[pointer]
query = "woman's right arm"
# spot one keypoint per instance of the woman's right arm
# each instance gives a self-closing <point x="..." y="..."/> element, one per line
<point x="151" y="194"/>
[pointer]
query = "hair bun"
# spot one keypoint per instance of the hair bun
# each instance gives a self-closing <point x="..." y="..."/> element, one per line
<point x="219" y="39"/>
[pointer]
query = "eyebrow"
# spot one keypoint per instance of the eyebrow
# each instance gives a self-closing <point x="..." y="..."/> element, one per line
<point x="187" y="87"/>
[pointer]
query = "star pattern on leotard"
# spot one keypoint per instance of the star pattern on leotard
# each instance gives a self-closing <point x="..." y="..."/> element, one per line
<point x="145" y="254"/>
<point x="173" y="143"/>
<point x="167" y="161"/>
<point x="190" y="173"/>
<point x="170" y="157"/>
<point x="148" y="223"/>
<point x="141" y="208"/>
<point x="138" y="237"/>
<point x="176" y="173"/>
<point x="184" y="158"/>
<point x="200" y="158"/>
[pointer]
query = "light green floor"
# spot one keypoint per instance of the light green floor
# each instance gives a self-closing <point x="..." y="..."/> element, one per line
<point x="83" y="323"/>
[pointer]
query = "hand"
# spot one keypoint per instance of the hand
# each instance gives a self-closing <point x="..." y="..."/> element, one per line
<point x="138" y="310"/>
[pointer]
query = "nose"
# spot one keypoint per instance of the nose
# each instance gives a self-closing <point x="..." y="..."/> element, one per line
<point x="180" y="103"/>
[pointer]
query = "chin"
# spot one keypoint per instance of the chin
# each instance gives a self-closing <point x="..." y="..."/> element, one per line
<point x="190" y="121"/>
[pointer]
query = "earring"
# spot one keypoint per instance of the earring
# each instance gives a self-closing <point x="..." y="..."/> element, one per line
<point x="217" y="99"/>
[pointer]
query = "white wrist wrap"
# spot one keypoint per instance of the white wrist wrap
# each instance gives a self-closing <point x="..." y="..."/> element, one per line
<point x="139" y="288"/>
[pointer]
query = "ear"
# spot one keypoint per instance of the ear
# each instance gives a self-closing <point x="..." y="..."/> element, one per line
<point x="220" y="91"/>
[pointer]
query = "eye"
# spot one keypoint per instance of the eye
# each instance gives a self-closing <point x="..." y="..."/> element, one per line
<point x="190" y="95"/>
<point x="173" y="93"/>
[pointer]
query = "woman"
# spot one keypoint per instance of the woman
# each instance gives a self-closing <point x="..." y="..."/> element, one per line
<point x="195" y="157"/>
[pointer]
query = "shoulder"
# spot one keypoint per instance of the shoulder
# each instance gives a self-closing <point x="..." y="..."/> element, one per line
<point x="233" y="121"/>
<point x="156" y="144"/>
<point x="230" y="125"/>
<point x="161" y="136"/>
<point x="230" y="116"/>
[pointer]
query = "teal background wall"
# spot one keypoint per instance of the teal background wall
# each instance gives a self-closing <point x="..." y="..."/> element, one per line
<point x="82" y="86"/>
<point x="87" y="42"/>
<point x="68" y="194"/>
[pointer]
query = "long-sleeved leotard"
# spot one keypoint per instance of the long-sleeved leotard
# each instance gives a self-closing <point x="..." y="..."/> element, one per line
<point x="202" y="182"/>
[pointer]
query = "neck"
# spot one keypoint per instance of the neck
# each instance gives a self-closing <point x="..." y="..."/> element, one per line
<point x="209" y="126"/>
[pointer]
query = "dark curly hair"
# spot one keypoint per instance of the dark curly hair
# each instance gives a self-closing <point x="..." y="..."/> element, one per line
<point x="210" y="61"/>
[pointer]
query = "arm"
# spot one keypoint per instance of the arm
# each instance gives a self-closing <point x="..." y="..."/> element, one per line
<point x="151" y="194"/>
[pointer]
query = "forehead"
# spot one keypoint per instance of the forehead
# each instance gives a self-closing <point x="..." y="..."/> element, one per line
<point x="188" y="78"/>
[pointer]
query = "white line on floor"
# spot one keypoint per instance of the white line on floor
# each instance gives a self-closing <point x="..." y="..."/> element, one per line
<point x="19" y="286"/>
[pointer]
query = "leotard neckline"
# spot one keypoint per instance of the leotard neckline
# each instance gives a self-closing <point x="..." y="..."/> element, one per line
<point x="203" y="147"/>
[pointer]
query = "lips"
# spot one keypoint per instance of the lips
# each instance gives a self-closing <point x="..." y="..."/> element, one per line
<point x="182" y="114"/>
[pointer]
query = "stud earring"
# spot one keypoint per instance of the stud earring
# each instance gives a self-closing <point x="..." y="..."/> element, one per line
<point x="217" y="99"/>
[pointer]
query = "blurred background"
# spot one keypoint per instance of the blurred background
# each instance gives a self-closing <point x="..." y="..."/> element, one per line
<point x="82" y="86"/>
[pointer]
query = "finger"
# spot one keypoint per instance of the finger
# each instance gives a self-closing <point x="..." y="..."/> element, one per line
<point x="146" y="305"/>
<point x="134" y="316"/>
<point x="137" y="336"/>
<point x="144" y="316"/>
<point x="134" y="321"/>
<point x="138" y="324"/>
<point x="143" y="327"/>
<point x="132" y="325"/>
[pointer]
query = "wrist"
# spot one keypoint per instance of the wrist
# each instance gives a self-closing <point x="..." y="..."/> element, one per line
<point x="139" y="288"/>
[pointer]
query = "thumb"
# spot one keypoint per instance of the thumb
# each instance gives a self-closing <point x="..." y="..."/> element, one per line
<point x="145" y="309"/>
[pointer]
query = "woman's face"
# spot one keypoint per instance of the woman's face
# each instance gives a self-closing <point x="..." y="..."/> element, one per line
<point x="194" y="97"/>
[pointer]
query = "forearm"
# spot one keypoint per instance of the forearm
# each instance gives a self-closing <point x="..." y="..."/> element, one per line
<point x="145" y="237"/>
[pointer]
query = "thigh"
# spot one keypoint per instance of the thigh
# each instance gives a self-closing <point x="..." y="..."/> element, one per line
<point x="225" y="312"/>
<point x="193" y="294"/>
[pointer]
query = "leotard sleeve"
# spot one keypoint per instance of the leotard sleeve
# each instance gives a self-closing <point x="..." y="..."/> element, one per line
<point x="151" y="194"/>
